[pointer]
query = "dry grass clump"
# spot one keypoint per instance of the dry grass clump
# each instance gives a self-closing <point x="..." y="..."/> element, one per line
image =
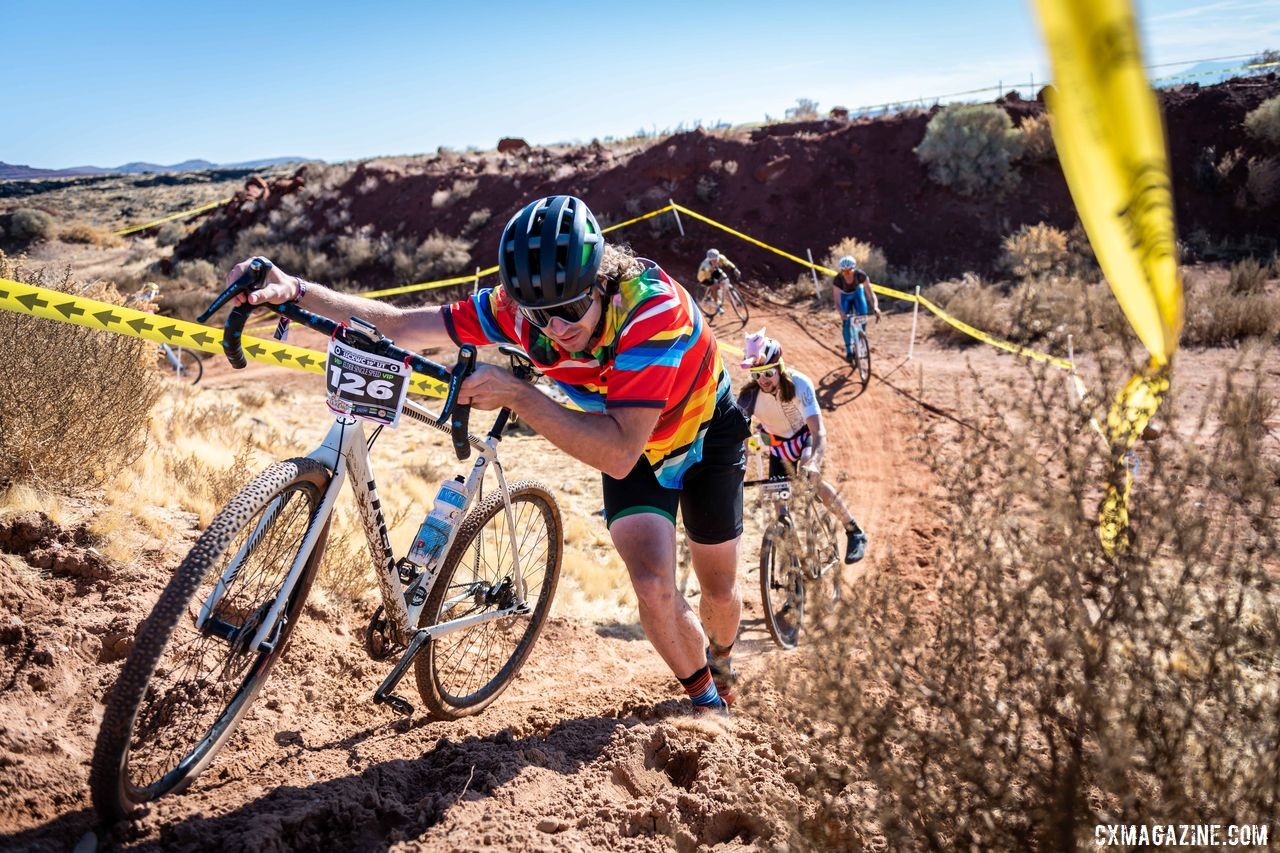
<point x="970" y="300"/>
<point x="27" y="225"/>
<point x="1037" y="139"/>
<point x="76" y="400"/>
<point x="870" y="258"/>
<point x="1041" y="687"/>
<point x="1263" y="182"/>
<point x="1263" y="122"/>
<point x="971" y="148"/>
<point x="90" y="235"/>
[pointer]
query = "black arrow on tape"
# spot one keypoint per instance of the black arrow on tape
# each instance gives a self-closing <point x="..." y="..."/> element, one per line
<point x="171" y="332"/>
<point x="281" y="356"/>
<point x="254" y="350"/>
<point x="307" y="361"/>
<point x="106" y="318"/>
<point x="203" y="338"/>
<point x="31" y="300"/>
<point x="69" y="309"/>
<point x="140" y="325"/>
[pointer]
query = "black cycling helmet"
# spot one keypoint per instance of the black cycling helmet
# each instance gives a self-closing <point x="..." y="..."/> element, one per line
<point x="550" y="252"/>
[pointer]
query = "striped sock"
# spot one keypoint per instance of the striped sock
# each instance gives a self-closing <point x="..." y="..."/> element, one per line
<point x="702" y="690"/>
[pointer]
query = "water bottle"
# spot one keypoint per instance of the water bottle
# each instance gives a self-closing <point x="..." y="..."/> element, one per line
<point x="428" y="545"/>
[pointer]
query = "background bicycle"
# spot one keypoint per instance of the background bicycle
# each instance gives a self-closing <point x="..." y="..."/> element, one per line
<point x="179" y="363"/>
<point x="800" y="555"/>
<point x="713" y="304"/>
<point x="860" y="360"/>
<point x="465" y="606"/>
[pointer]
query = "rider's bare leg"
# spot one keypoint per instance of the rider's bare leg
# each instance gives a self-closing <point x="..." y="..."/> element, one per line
<point x="721" y="603"/>
<point x="647" y="544"/>
<point x="831" y="500"/>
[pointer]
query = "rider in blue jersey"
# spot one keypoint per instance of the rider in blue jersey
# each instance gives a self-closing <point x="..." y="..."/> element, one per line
<point x="854" y="297"/>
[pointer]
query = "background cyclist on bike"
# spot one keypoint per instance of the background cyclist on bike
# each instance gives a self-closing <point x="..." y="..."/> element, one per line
<point x="716" y="269"/>
<point x="784" y="404"/>
<point x="653" y="410"/>
<point x="852" y="293"/>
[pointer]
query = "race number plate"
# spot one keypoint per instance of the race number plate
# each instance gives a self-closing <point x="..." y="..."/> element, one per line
<point x="366" y="386"/>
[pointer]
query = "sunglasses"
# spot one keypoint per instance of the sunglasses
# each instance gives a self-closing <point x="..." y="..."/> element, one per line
<point x="765" y="372"/>
<point x="570" y="312"/>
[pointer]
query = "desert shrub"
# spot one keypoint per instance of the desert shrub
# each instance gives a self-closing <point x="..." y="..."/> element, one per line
<point x="1263" y="122"/>
<point x="76" y="400"/>
<point x="1037" y="139"/>
<point x="477" y="220"/>
<point x="1263" y="182"/>
<point x="870" y="258"/>
<point x="1033" y="686"/>
<point x="82" y="232"/>
<point x="969" y="300"/>
<point x="1035" y="250"/>
<point x="171" y="233"/>
<point x="437" y="256"/>
<point x="28" y="226"/>
<point x="198" y="274"/>
<point x="804" y="110"/>
<point x="970" y="148"/>
<point x="707" y="188"/>
<point x="1223" y="312"/>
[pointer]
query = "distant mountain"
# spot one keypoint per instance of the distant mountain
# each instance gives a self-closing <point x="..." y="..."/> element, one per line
<point x="10" y="172"/>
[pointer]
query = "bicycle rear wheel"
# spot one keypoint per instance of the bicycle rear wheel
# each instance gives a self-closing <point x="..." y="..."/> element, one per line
<point x="183" y="689"/>
<point x="738" y="304"/>
<point x="461" y="673"/>
<point x="707" y="295"/>
<point x="180" y="364"/>
<point x="781" y="587"/>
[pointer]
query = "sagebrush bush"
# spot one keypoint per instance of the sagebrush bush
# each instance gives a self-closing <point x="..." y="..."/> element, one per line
<point x="972" y="301"/>
<point x="870" y="258"/>
<point x="971" y="148"/>
<point x="1035" y="250"/>
<point x="76" y="400"/>
<point x="171" y="233"/>
<point x="1263" y="122"/>
<point x="1225" y="311"/>
<point x="27" y="225"/>
<point x="1263" y="182"/>
<point x="1038" y="686"/>
<point x="1247" y="277"/>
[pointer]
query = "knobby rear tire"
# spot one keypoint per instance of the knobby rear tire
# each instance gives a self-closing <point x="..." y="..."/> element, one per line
<point x="448" y="688"/>
<point x="144" y="691"/>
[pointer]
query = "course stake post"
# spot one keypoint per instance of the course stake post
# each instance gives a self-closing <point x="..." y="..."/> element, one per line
<point x="675" y="211"/>
<point x="817" y="290"/>
<point x="915" y="318"/>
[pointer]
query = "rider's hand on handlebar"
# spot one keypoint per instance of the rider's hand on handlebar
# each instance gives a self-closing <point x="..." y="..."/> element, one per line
<point x="278" y="287"/>
<point x="490" y="388"/>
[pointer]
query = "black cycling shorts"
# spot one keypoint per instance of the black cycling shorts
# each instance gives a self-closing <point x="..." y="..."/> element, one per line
<point x="710" y="500"/>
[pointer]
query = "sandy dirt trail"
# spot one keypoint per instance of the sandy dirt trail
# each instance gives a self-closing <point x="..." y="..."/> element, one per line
<point x="591" y="747"/>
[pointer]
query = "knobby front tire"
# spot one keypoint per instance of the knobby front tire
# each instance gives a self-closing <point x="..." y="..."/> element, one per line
<point x="738" y="304"/>
<point x="460" y="674"/>
<point x="862" y="358"/>
<point x="782" y="587"/>
<point x="182" y="691"/>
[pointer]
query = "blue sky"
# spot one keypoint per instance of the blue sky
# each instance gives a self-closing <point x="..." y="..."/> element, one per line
<point x="105" y="83"/>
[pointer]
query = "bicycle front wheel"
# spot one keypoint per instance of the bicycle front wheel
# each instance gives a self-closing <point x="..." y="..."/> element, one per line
<point x="183" y="688"/>
<point x="781" y="587"/>
<point x="822" y="545"/>
<point x="738" y="304"/>
<point x="460" y="673"/>
<point x="862" y="357"/>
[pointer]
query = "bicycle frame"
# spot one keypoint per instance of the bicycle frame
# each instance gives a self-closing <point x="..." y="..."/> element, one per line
<point x="345" y="452"/>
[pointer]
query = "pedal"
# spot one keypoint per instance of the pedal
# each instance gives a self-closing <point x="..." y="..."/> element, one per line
<point x="398" y="704"/>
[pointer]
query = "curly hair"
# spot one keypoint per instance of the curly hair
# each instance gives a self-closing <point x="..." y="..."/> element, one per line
<point x="619" y="262"/>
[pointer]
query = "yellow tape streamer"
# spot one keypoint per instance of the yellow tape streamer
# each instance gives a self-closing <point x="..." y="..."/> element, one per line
<point x="131" y="229"/>
<point x="90" y="313"/>
<point x="1110" y="140"/>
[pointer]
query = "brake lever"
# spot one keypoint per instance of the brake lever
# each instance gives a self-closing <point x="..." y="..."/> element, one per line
<point x="458" y="413"/>
<point x="253" y="279"/>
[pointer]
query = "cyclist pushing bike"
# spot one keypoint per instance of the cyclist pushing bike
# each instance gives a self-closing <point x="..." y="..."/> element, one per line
<point x="652" y="409"/>
<point x="714" y="271"/>
<point x="854" y="297"/>
<point x="784" y="404"/>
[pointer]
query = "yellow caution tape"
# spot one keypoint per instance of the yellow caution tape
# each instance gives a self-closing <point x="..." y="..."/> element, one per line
<point x="1110" y="140"/>
<point x="90" y="313"/>
<point x="648" y="215"/>
<point x="131" y="229"/>
<point x="1009" y="346"/>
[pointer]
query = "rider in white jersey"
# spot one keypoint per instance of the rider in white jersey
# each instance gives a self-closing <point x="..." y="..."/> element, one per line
<point x="785" y="407"/>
